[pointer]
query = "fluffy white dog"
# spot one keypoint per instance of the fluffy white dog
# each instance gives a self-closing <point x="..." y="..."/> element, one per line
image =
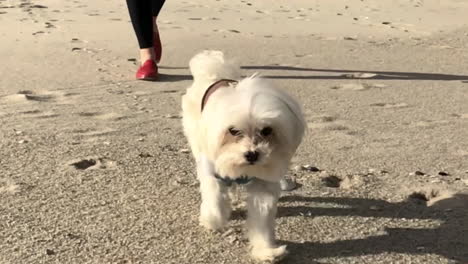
<point x="240" y="132"/>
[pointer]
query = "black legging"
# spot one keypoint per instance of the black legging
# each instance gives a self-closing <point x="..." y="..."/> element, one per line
<point x="141" y="14"/>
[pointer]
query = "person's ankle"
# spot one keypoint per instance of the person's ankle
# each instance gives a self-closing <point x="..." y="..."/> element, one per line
<point x="143" y="60"/>
<point x="155" y="25"/>
<point x="146" y="54"/>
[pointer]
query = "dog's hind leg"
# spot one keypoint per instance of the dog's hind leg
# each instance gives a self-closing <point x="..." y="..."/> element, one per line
<point x="215" y="208"/>
<point x="262" y="203"/>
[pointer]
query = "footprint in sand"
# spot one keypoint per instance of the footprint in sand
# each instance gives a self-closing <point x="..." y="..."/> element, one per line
<point x="95" y="132"/>
<point x="351" y="87"/>
<point x="35" y="113"/>
<point x="390" y="105"/>
<point x="38" y="6"/>
<point x="49" y="25"/>
<point x="335" y="127"/>
<point x="329" y="128"/>
<point x="26" y="96"/>
<point x="432" y="195"/>
<point x="29" y="96"/>
<point x="430" y="124"/>
<point x="103" y="116"/>
<point x="45" y="115"/>
<point x="169" y="91"/>
<point x="356" y="86"/>
<point x="350" y="181"/>
<point x="328" y="123"/>
<point x="27" y="6"/>
<point x="319" y="121"/>
<point x="89" y="114"/>
<point x="355" y="181"/>
<point x="92" y="163"/>
<point x="30" y="112"/>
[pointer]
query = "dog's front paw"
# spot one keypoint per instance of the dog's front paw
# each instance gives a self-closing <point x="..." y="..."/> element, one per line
<point x="212" y="222"/>
<point x="271" y="254"/>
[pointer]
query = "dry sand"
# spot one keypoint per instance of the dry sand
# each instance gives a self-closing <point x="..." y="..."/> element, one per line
<point x="93" y="167"/>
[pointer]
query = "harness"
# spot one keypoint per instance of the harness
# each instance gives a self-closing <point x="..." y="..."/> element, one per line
<point x="212" y="88"/>
<point x="228" y="182"/>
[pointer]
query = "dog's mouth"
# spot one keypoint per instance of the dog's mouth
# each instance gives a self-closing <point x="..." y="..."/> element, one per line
<point x="247" y="164"/>
<point x="234" y="167"/>
<point x="250" y="164"/>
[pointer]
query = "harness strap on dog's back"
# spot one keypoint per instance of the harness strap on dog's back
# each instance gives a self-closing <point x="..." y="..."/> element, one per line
<point x="213" y="88"/>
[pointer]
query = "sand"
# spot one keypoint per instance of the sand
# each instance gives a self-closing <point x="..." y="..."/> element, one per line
<point x="94" y="166"/>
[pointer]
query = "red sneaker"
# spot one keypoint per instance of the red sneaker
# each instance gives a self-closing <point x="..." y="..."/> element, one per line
<point x="157" y="46"/>
<point x="147" y="71"/>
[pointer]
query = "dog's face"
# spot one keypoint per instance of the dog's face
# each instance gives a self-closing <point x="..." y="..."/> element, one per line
<point x="254" y="138"/>
<point x="244" y="149"/>
<point x="251" y="145"/>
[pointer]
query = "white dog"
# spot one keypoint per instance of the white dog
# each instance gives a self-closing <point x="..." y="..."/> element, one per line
<point x="240" y="132"/>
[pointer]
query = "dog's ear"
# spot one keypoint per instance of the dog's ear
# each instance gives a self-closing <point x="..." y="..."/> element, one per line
<point x="301" y="125"/>
<point x="297" y="113"/>
<point x="209" y="136"/>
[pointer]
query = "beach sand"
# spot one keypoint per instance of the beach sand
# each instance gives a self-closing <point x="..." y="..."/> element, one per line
<point x="94" y="165"/>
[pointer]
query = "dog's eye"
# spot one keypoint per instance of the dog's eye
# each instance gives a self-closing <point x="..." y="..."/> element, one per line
<point x="234" y="131"/>
<point x="266" y="131"/>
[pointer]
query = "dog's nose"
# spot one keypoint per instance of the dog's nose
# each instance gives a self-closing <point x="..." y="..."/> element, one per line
<point x="251" y="156"/>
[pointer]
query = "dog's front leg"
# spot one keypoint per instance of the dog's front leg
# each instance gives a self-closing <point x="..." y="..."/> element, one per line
<point x="215" y="208"/>
<point x="262" y="204"/>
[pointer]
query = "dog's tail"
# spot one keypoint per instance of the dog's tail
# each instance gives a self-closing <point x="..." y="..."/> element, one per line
<point x="210" y="65"/>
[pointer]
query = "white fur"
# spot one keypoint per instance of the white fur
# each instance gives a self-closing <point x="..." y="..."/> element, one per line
<point x="251" y="105"/>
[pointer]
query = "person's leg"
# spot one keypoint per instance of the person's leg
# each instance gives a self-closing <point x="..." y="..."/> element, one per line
<point x="141" y="17"/>
<point x="156" y="6"/>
